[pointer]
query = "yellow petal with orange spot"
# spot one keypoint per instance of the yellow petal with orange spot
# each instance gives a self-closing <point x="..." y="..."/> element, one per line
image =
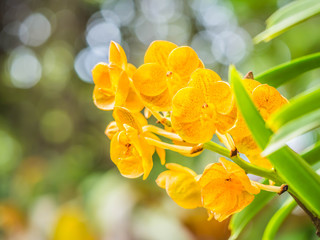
<point x="145" y="151"/>
<point x="150" y="79"/>
<point x="221" y="96"/>
<point x="175" y="83"/>
<point x="117" y="56"/>
<point x="123" y="116"/>
<point x="126" y="157"/>
<point x="158" y="52"/>
<point x="183" y="61"/>
<point x="194" y="132"/>
<point x="104" y="100"/>
<point x="100" y="75"/>
<point x="181" y="186"/>
<point x="234" y="169"/>
<point x="161" y="102"/>
<point x="212" y="172"/>
<point x="267" y="99"/>
<point x="225" y="189"/>
<point x="187" y="104"/>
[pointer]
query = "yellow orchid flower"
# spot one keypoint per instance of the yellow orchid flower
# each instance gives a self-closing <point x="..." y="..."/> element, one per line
<point x="166" y="69"/>
<point x="226" y="189"/>
<point x="129" y="149"/>
<point x="113" y="84"/>
<point x="181" y="185"/>
<point x="205" y="106"/>
<point x="267" y="100"/>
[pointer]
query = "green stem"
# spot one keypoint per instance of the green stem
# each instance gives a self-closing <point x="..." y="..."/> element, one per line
<point x="248" y="167"/>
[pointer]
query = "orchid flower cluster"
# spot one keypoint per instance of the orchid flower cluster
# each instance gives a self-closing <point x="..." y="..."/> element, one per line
<point x="191" y="103"/>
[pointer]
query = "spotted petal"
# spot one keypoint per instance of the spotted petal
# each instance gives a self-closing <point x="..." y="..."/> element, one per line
<point x="123" y="117"/>
<point x="198" y="131"/>
<point x="187" y="104"/>
<point x="125" y="157"/>
<point x="267" y="99"/>
<point x="183" y="61"/>
<point x="225" y="189"/>
<point x="150" y="79"/>
<point x="158" y="52"/>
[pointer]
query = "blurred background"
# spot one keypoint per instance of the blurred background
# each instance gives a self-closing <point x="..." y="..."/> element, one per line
<point x="56" y="178"/>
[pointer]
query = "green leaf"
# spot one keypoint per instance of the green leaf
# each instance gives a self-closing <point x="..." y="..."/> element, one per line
<point x="278" y="218"/>
<point x="303" y="104"/>
<point x="254" y="121"/>
<point x="287" y="17"/>
<point x="287" y="11"/>
<point x="294" y="119"/>
<point x="299" y="176"/>
<point x="291" y="130"/>
<point x="312" y="154"/>
<point x="241" y="219"/>
<point x="287" y="71"/>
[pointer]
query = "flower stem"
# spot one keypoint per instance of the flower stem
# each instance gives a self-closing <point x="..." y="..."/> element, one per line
<point x="160" y="118"/>
<point x="176" y="148"/>
<point x="270" y="188"/>
<point x="248" y="167"/>
<point x="162" y="132"/>
<point x="227" y="140"/>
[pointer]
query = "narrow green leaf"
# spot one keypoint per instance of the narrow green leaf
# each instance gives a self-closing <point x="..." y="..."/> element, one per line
<point x="312" y="154"/>
<point x="278" y="218"/>
<point x="287" y="71"/>
<point x="255" y="122"/>
<point x="303" y="104"/>
<point x="299" y="176"/>
<point x="285" y="20"/>
<point x="240" y="220"/>
<point x="291" y="130"/>
<point x="287" y="11"/>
